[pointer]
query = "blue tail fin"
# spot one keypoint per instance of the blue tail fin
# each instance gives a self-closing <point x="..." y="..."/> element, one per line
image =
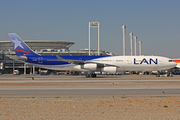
<point x="19" y="46"/>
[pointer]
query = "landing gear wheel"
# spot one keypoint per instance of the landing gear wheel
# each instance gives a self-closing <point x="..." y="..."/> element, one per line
<point x="157" y="75"/>
<point x="93" y="75"/>
<point x="87" y="75"/>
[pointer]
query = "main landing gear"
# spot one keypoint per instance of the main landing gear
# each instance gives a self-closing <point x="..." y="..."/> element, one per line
<point x="91" y="75"/>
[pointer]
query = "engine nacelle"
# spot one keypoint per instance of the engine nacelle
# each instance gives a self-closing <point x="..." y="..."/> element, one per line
<point x="109" y="69"/>
<point x="88" y="66"/>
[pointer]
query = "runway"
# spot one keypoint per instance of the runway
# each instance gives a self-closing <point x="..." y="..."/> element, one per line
<point x="89" y="91"/>
<point x="74" y="87"/>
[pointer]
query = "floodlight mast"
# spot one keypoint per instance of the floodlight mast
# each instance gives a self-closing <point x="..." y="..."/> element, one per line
<point x="135" y="41"/>
<point x="124" y="39"/>
<point x="94" y="25"/>
<point x="98" y="38"/>
<point x="131" y="43"/>
<point x="140" y="48"/>
<point x="89" y="38"/>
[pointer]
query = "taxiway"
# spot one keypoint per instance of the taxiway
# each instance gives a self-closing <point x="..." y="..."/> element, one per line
<point x="70" y="86"/>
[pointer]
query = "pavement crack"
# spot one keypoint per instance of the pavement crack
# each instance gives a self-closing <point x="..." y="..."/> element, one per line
<point x="148" y="87"/>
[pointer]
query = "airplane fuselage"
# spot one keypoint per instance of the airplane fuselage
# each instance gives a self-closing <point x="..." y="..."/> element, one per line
<point x="109" y="64"/>
<point x="122" y="63"/>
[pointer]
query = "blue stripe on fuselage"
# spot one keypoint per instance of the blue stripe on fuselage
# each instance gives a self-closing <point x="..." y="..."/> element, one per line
<point x="52" y="59"/>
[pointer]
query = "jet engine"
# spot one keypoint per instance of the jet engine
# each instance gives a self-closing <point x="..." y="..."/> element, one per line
<point x="88" y="66"/>
<point x="109" y="69"/>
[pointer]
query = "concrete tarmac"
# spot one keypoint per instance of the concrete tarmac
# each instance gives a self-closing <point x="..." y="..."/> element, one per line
<point x="6" y="77"/>
<point x="71" y="91"/>
<point x="88" y="91"/>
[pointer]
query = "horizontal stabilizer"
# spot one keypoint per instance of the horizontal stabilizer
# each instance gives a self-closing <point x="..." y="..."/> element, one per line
<point x="22" y="58"/>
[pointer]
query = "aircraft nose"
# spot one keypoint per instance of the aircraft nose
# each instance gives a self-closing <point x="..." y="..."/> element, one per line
<point x="174" y="64"/>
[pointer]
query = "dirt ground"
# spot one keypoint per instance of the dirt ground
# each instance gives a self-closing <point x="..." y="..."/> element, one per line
<point x="90" y="108"/>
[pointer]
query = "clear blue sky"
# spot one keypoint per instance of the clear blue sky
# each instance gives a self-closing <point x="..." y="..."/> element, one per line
<point x="155" y="22"/>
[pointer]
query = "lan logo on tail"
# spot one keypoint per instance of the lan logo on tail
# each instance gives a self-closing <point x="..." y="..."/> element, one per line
<point x="17" y="43"/>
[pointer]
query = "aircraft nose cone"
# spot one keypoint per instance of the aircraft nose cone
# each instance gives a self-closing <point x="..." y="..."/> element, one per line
<point x="175" y="64"/>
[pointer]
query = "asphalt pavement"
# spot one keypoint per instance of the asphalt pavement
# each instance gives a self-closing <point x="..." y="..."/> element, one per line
<point x="88" y="91"/>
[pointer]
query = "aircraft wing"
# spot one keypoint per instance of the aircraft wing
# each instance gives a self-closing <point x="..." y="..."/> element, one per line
<point x="178" y="65"/>
<point x="79" y="62"/>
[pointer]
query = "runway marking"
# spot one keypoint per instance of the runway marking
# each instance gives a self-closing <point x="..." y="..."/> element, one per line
<point x="71" y="78"/>
<point x="86" y="81"/>
<point x="88" y="87"/>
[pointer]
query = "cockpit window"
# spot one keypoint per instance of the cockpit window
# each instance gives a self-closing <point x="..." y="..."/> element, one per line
<point x="170" y="60"/>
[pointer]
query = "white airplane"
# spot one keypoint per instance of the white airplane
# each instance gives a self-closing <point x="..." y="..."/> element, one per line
<point x="110" y="64"/>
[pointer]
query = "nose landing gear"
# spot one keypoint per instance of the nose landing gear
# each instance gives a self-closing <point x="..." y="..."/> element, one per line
<point x="164" y="75"/>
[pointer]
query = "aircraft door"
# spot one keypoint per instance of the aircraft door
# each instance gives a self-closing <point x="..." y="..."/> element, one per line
<point x="161" y="61"/>
<point x="40" y="59"/>
<point x="129" y="61"/>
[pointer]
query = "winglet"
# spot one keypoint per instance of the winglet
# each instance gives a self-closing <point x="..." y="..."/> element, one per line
<point x="19" y="46"/>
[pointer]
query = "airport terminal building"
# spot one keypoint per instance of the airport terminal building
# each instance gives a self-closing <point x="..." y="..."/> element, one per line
<point x="8" y="65"/>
